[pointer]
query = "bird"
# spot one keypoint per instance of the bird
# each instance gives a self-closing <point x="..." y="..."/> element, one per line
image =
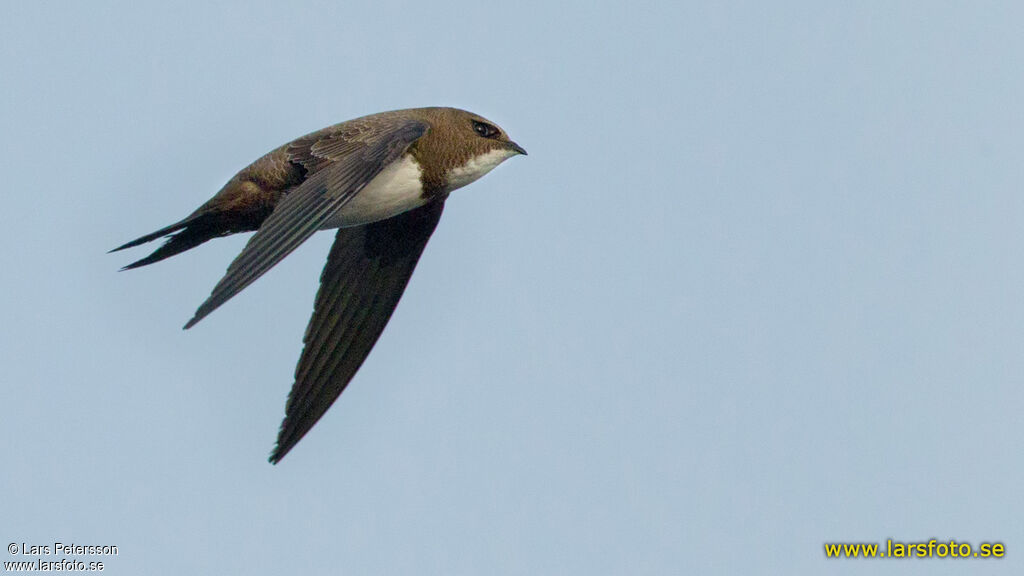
<point x="382" y="181"/>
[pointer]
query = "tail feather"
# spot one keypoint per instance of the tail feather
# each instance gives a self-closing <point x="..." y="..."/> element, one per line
<point x="208" y="222"/>
<point x="154" y="235"/>
<point x="190" y="233"/>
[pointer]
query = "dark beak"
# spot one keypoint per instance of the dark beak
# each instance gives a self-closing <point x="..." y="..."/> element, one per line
<point x="518" y="149"/>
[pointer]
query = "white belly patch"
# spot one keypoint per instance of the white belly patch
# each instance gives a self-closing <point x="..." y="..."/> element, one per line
<point x="395" y="190"/>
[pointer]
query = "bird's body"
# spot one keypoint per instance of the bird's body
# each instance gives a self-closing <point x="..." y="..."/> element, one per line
<point x="398" y="188"/>
<point x="382" y="180"/>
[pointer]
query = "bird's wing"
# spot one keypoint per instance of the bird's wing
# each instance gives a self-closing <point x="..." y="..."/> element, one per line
<point x="366" y="273"/>
<point x="340" y="164"/>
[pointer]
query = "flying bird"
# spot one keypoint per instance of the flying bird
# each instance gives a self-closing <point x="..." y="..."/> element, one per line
<point x="381" y="181"/>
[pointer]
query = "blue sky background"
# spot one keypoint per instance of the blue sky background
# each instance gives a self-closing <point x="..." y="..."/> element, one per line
<point x="757" y="287"/>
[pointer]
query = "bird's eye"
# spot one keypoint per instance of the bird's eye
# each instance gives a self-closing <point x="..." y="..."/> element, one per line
<point x="484" y="129"/>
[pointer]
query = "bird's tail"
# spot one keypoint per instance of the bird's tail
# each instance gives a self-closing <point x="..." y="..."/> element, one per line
<point x="186" y="234"/>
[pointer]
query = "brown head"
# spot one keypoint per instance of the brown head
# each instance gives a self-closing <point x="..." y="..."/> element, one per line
<point x="458" y="148"/>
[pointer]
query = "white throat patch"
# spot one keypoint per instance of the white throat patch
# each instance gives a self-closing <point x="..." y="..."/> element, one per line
<point x="477" y="167"/>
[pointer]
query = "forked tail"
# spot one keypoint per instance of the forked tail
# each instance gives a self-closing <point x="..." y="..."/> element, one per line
<point x="186" y="234"/>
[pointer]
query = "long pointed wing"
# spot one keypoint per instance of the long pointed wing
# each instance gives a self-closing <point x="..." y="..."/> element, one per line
<point x="343" y="168"/>
<point x="366" y="273"/>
